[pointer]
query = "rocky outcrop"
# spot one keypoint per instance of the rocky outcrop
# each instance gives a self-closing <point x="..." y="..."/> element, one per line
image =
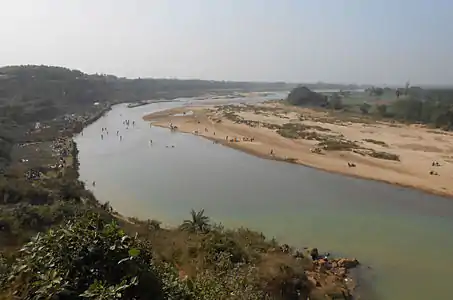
<point x="329" y="276"/>
<point x="346" y="263"/>
<point x="303" y="96"/>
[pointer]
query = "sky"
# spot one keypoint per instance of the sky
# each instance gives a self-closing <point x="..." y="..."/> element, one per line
<point x="343" y="41"/>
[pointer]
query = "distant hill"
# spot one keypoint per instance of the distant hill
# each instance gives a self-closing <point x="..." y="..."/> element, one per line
<point x="32" y="93"/>
<point x="302" y="96"/>
<point x="35" y="93"/>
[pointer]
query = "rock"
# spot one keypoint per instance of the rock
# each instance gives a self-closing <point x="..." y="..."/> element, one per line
<point x="347" y="263"/>
<point x="341" y="272"/>
<point x="313" y="281"/>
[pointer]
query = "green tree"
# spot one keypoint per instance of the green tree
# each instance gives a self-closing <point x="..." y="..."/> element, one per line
<point x="335" y="103"/>
<point x="382" y="109"/>
<point x="365" y="108"/>
<point x="375" y="91"/>
<point x="199" y="222"/>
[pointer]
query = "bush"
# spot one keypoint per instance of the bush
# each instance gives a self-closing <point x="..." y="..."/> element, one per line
<point x="380" y="143"/>
<point x="384" y="155"/>
<point x="104" y="264"/>
<point x="338" y="145"/>
<point x="236" y="283"/>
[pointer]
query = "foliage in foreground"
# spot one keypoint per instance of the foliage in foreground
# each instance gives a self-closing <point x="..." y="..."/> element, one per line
<point x="87" y="259"/>
<point x="95" y="259"/>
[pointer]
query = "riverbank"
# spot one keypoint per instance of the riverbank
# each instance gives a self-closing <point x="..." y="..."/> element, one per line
<point x="265" y="264"/>
<point x="328" y="276"/>
<point x="407" y="155"/>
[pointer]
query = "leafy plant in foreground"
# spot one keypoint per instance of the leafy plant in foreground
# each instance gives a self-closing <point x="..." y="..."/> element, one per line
<point x="86" y="259"/>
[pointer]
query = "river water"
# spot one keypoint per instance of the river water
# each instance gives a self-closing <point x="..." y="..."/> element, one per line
<point x="403" y="234"/>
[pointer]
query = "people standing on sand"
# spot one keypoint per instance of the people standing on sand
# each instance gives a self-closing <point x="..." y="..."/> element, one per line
<point x="150" y="142"/>
<point x="102" y="136"/>
<point x="272" y="151"/>
<point x="226" y="138"/>
<point x="94" y="183"/>
<point x="133" y="123"/>
<point x="121" y="138"/>
<point x="117" y="132"/>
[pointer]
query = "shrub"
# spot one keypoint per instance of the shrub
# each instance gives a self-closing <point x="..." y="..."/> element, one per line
<point x="384" y="155"/>
<point x="380" y="143"/>
<point x="236" y="283"/>
<point x="87" y="259"/>
<point x="337" y="145"/>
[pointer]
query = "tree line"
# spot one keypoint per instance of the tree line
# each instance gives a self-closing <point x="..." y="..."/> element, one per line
<point x="433" y="107"/>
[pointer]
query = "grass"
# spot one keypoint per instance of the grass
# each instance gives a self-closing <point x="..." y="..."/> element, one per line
<point x="337" y="145"/>
<point x="195" y="253"/>
<point x="380" y="143"/>
<point x="384" y="155"/>
<point x="302" y="131"/>
<point x="310" y="132"/>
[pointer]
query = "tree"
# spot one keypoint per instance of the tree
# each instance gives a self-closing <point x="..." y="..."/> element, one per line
<point x="382" y="109"/>
<point x="376" y="91"/>
<point x="304" y="96"/>
<point x="406" y="88"/>
<point x="198" y="223"/>
<point x="365" y="108"/>
<point x="335" y="101"/>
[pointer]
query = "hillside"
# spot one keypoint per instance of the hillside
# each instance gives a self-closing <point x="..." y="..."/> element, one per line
<point x="32" y="93"/>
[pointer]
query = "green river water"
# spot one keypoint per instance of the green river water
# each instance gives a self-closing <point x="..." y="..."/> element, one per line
<point x="405" y="236"/>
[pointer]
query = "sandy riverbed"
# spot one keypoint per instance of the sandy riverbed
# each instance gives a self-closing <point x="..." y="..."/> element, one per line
<point x="417" y="147"/>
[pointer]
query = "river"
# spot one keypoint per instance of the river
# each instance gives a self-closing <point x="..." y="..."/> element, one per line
<point x="403" y="234"/>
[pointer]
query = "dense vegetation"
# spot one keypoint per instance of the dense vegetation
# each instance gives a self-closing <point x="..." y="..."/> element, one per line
<point x="303" y="96"/>
<point x="73" y="247"/>
<point x="32" y="93"/>
<point x="109" y="264"/>
<point x="433" y="107"/>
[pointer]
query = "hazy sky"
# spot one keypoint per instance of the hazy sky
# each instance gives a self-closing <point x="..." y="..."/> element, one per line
<point x="361" y="41"/>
